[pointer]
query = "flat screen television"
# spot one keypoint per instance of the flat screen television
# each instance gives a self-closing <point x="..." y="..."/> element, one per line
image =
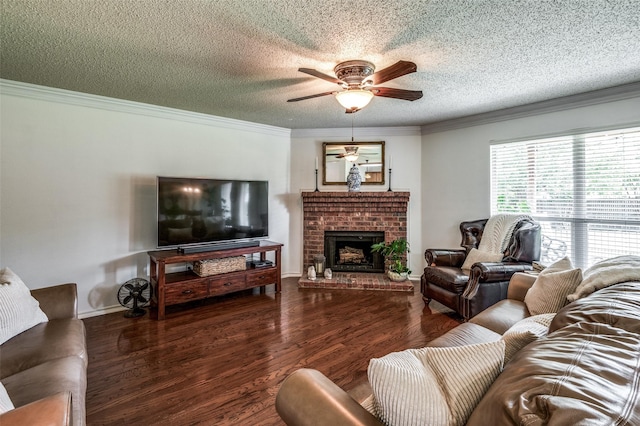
<point x="194" y="211"/>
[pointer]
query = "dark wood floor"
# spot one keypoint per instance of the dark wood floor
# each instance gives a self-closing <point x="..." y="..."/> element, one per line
<point x="221" y="361"/>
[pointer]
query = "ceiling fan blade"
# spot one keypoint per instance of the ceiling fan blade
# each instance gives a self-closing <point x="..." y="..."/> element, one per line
<point x="388" y="92"/>
<point x="311" y="96"/>
<point x="318" y="74"/>
<point x="396" y="70"/>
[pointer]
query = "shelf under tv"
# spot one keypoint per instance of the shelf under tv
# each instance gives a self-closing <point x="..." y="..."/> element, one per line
<point x="185" y="286"/>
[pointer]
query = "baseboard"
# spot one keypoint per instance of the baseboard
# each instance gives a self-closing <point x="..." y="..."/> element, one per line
<point x="103" y="311"/>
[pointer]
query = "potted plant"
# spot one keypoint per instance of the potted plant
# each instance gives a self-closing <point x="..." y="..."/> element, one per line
<point x="396" y="253"/>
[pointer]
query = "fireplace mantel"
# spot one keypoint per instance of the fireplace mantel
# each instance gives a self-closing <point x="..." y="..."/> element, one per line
<point x="351" y="211"/>
<point x="387" y="201"/>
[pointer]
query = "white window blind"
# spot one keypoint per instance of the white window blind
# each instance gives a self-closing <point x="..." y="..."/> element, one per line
<point x="584" y="189"/>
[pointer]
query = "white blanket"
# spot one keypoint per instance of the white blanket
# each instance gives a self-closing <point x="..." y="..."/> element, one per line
<point x="606" y="273"/>
<point x="497" y="232"/>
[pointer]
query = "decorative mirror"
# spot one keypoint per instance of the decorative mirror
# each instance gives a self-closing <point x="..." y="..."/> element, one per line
<point x="339" y="157"/>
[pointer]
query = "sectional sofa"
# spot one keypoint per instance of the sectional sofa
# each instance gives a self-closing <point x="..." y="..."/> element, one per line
<point x="44" y="369"/>
<point x="583" y="370"/>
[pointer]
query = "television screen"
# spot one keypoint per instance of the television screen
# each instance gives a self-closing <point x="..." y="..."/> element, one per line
<point x="199" y="211"/>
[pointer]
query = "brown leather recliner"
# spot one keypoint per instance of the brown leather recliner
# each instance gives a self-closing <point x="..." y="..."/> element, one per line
<point x="469" y="294"/>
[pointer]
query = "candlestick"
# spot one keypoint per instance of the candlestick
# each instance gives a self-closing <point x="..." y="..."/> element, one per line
<point x="389" y="178"/>
<point x="316" y="175"/>
<point x="390" y="161"/>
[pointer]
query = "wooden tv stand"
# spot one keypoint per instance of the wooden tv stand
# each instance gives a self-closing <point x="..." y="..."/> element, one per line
<point x="179" y="287"/>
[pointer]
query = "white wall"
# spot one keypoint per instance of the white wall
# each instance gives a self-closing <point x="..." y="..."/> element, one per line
<point x="403" y="143"/>
<point x="78" y="183"/>
<point x="455" y="163"/>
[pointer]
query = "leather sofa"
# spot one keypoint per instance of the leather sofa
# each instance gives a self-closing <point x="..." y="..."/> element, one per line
<point x="470" y="292"/>
<point x="584" y="372"/>
<point x="44" y="369"/>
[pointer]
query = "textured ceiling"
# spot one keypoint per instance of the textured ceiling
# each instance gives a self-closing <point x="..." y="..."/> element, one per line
<point x="239" y="58"/>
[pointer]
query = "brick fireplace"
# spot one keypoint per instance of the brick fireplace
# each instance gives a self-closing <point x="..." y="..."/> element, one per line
<point x="354" y="212"/>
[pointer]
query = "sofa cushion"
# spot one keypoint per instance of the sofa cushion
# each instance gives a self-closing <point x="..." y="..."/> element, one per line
<point x="433" y="385"/>
<point x="617" y="305"/>
<point x="5" y="401"/>
<point x="524" y="332"/>
<point x="59" y="375"/>
<point x="19" y="311"/>
<point x="42" y="343"/>
<point x="501" y="316"/>
<point x="583" y="374"/>
<point x="549" y="292"/>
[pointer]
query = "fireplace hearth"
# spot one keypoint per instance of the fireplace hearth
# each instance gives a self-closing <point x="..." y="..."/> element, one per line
<point x="350" y="251"/>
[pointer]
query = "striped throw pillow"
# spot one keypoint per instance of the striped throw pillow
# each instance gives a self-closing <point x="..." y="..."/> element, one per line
<point x="549" y="292"/>
<point x="19" y="311"/>
<point x="524" y="332"/>
<point x="371" y="405"/>
<point x="434" y="385"/>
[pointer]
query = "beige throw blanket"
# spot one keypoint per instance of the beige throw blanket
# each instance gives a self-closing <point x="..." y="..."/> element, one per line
<point x="497" y="232"/>
<point x="606" y="273"/>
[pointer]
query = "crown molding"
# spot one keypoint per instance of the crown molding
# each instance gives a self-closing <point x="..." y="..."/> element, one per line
<point x="359" y="132"/>
<point x="51" y="94"/>
<point x="611" y="94"/>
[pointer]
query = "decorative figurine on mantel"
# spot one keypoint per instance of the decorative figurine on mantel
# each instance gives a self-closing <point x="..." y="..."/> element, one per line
<point x="328" y="274"/>
<point x="354" y="179"/>
<point x="311" y="273"/>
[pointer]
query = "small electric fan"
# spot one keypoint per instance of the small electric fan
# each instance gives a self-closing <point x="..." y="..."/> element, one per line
<point x="135" y="294"/>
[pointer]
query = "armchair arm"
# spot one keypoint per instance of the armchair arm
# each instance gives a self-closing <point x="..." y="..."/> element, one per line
<point x="53" y="410"/>
<point x="307" y="397"/>
<point x="488" y="284"/>
<point x="519" y="285"/>
<point x="499" y="271"/>
<point x="445" y="257"/>
<point x="59" y="301"/>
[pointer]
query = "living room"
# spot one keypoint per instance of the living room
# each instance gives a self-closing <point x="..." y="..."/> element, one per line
<point x="78" y="181"/>
<point x="58" y="155"/>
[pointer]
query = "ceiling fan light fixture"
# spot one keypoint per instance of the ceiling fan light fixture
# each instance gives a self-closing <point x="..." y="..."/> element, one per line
<point x="354" y="99"/>
<point x="352" y="158"/>
<point x="351" y="153"/>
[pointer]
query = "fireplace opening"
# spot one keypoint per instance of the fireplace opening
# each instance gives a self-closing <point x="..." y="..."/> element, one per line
<point x="350" y="251"/>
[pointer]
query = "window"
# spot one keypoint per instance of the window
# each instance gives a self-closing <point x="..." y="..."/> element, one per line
<point x="584" y="189"/>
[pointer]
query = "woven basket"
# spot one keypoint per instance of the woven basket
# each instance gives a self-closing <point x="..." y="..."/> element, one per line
<point x="204" y="268"/>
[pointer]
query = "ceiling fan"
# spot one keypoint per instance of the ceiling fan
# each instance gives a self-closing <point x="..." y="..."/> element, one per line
<point x="349" y="152"/>
<point x="358" y="81"/>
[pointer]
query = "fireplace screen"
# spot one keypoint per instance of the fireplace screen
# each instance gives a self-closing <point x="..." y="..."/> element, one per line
<point x="350" y="251"/>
